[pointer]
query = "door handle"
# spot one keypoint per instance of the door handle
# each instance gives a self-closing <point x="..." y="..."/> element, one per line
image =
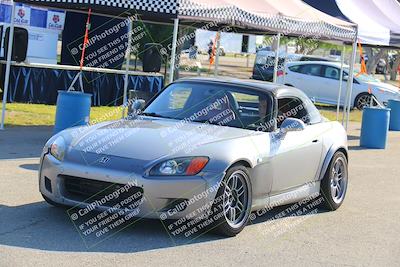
<point x="315" y="141"/>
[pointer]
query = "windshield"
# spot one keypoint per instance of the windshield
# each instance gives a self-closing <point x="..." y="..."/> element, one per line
<point x="365" y="77"/>
<point x="362" y="77"/>
<point x="220" y="104"/>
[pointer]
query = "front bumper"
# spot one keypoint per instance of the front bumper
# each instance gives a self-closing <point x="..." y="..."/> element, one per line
<point x="163" y="197"/>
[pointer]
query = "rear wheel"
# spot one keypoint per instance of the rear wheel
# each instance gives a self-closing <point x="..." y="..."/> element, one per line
<point x="334" y="183"/>
<point x="233" y="202"/>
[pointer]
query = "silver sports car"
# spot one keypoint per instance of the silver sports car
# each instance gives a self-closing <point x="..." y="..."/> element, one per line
<point x="202" y="149"/>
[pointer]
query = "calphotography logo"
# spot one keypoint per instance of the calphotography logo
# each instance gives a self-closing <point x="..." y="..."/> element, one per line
<point x="104" y="160"/>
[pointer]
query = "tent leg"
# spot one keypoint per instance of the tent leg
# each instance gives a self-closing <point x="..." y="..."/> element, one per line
<point x="350" y="81"/>
<point x="340" y="82"/>
<point x="173" y="50"/>
<point x="278" y="41"/>
<point x="127" y="65"/>
<point x="8" y="67"/>
<point x="285" y="63"/>
<point x="217" y="53"/>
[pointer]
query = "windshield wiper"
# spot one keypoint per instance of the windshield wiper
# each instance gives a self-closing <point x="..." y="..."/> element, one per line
<point x="151" y="114"/>
<point x="156" y="115"/>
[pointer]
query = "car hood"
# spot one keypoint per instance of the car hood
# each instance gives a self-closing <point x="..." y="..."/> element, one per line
<point x="385" y="87"/>
<point x="151" y="138"/>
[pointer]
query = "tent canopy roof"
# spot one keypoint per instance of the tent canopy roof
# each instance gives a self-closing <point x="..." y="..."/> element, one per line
<point x="295" y="18"/>
<point x="377" y="20"/>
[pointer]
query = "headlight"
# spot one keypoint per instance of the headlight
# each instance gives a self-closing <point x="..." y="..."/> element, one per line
<point x="57" y="148"/>
<point x="179" y="166"/>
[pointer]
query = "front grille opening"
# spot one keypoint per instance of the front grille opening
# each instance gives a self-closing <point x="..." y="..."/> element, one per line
<point x="47" y="184"/>
<point x="109" y="194"/>
<point x="175" y="205"/>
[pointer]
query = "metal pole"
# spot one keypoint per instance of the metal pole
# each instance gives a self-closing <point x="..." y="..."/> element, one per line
<point x="284" y="64"/>
<point x="350" y="80"/>
<point x="173" y="52"/>
<point x="278" y="40"/>
<point x="127" y="65"/>
<point x="8" y="66"/>
<point x="217" y="53"/>
<point x="340" y="82"/>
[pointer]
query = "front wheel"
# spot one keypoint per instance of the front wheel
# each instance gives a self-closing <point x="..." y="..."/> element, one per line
<point x="334" y="183"/>
<point x="233" y="201"/>
<point x="362" y="101"/>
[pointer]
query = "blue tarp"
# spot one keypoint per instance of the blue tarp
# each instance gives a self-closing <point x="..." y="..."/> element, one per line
<point x="40" y="85"/>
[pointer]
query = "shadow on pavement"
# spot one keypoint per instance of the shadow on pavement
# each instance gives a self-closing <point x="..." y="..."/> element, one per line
<point x="32" y="167"/>
<point x="44" y="227"/>
<point x="353" y="137"/>
<point x="362" y="148"/>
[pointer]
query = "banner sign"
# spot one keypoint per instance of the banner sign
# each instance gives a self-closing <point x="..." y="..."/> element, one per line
<point x="28" y="16"/>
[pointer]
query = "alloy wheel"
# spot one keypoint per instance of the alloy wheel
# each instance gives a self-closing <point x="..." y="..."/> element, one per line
<point x="363" y="101"/>
<point x="236" y="199"/>
<point x="338" y="180"/>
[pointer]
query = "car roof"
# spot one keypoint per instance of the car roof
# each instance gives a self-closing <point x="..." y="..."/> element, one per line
<point x="274" y="88"/>
<point x="326" y="63"/>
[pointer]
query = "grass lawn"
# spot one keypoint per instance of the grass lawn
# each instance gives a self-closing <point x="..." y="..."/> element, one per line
<point x="329" y="112"/>
<point x="18" y="114"/>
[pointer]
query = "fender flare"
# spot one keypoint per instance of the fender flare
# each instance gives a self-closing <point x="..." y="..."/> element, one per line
<point x="331" y="152"/>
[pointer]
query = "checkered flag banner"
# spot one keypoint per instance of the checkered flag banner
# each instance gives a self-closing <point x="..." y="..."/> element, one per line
<point x="220" y="12"/>
<point x="153" y="8"/>
<point x="225" y="13"/>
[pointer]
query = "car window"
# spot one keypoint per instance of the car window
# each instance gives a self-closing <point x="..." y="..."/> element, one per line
<point x="295" y="68"/>
<point x="331" y="73"/>
<point x="310" y="69"/>
<point x="268" y="61"/>
<point x="302" y="109"/>
<point x="221" y="104"/>
<point x="178" y="98"/>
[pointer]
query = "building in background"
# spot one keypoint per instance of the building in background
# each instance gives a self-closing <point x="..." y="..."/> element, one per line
<point x="230" y="42"/>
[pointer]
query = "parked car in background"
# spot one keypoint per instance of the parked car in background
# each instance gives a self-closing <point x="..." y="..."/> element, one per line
<point x="263" y="69"/>
<point x="240" y="138"/>
<point x="320" y="82"/>
<point x="381" y="67"/>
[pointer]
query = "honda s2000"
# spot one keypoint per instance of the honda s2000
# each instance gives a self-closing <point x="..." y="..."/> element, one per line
<point x="202" y="146"/>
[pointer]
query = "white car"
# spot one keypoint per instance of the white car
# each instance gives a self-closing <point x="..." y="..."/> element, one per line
<point x="319" y="80"/>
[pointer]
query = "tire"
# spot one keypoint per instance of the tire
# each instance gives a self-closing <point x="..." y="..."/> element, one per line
<point x="236" y="204"/>
<point x="55" y="204"/>
<point x="362" y="100"/>
<point x="334" y="184"/>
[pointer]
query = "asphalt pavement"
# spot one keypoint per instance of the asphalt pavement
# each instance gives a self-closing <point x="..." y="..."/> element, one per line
<point x="365" y="231"/>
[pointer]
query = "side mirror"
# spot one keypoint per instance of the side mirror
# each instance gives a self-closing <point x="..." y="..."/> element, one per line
<point x="136" y="107"/>
<point x="292" y="125"/>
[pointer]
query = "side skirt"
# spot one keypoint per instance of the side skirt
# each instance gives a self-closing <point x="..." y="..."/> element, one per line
<point x="290" y="196"/>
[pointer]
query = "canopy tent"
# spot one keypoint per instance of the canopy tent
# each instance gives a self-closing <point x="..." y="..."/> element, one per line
<point x="263" y="16"/>
<point x="377" y="20"/>
<point x="251" y="16"/>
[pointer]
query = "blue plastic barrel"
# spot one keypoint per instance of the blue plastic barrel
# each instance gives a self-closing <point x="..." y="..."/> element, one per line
<point x="394" y="106"/>
<point x="73" y="109"/>
<point x="375" y="127"/>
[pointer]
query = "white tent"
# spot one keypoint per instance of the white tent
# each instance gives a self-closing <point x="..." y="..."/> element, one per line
<point x="378" y="20"/>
